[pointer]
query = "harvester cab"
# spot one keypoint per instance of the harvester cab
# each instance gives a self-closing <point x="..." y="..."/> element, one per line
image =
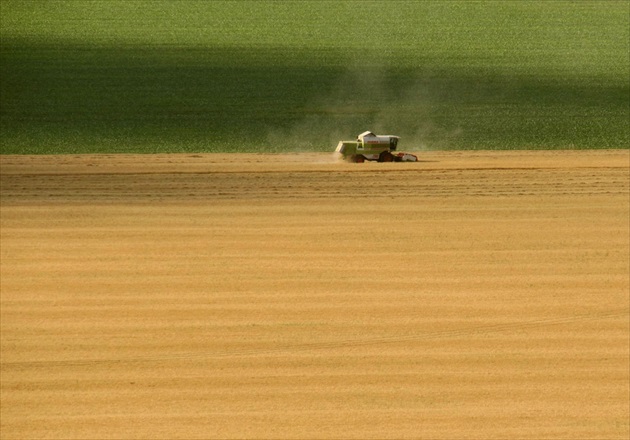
<point x="370" y="146"/>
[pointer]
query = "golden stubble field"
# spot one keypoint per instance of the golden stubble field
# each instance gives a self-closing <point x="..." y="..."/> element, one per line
<point x="471" y="295"/>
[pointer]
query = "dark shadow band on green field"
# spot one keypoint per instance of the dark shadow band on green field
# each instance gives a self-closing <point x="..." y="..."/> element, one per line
<point x="69" y="98"/>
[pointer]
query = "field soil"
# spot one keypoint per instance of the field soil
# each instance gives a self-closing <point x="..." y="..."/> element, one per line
<point x="470" y="295"/>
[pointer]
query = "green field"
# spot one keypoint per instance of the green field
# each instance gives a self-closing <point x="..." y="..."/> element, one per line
<point x="82" y="76"/>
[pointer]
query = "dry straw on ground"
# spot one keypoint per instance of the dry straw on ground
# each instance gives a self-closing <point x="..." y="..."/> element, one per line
<point x="471" y="295"/>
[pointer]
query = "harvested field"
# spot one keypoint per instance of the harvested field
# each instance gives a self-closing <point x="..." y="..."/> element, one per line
<point x="470" y="295"/>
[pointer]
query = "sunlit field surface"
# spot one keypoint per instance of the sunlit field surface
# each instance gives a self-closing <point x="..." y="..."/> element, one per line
<point x="479" y="295"/>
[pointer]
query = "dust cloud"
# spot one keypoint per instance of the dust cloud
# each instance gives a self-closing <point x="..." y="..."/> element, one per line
<point x="376" y="99"/>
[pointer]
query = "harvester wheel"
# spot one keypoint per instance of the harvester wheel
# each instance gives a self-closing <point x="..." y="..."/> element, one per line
<point x="359" y="158"/>
<point x="386" y="156"/>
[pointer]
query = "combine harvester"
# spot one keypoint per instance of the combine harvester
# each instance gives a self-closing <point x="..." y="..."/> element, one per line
<point x="369" y="146"/>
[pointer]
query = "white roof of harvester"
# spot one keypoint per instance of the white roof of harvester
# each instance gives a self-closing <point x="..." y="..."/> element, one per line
<point x="370" y="134"/>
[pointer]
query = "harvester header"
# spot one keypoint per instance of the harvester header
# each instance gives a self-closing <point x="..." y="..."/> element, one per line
<point x="369" y="146"/>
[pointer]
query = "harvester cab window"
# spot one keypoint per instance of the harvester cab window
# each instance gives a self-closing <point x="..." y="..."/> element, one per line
<point x="392" y="143"/>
